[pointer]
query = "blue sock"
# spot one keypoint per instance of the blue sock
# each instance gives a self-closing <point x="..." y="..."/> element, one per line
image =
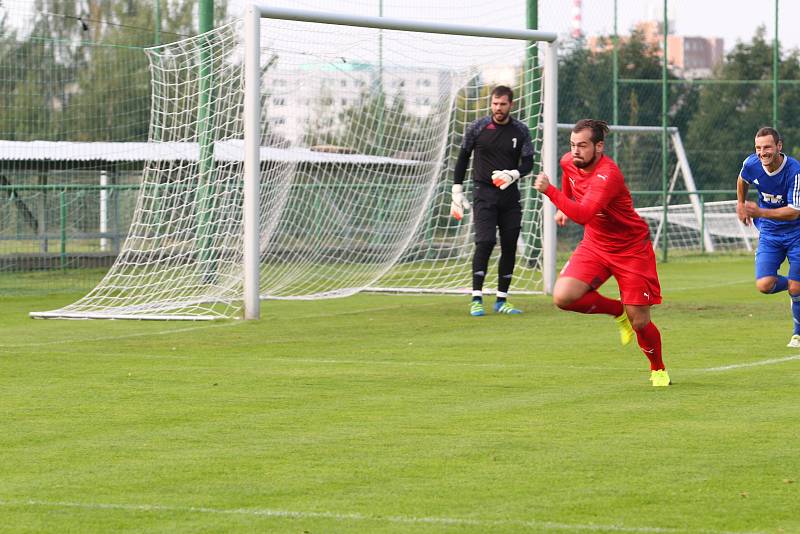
<point x="781" y="284"/>
<point x="796" y="313"/>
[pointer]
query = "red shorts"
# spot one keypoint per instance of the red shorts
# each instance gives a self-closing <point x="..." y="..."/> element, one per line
<point x="634" y="269"/>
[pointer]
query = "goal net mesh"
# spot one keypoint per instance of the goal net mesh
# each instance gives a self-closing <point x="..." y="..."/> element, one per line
<point x="686" y="225"/>
<point x="360" y="129"/>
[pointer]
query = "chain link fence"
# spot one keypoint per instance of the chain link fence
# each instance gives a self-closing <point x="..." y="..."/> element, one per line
<point x="73" y="72"/>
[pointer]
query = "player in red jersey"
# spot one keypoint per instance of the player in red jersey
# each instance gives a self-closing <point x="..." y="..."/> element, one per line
<point x="616" y="242"/>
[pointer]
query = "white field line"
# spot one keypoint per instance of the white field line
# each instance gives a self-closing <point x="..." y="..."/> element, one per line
<point x="668" y="290"/>
<point x="533" y="365"/>
<point x="224" y="324"/>
<point x="389" y="363"/>
<point x="354" y="517"/>
<point x="84" y="339"/>
<point x="446" y="363"/>
<point x="771" y="361"/>
<point x="402" y="363"/>
<point x="369" y="311"/>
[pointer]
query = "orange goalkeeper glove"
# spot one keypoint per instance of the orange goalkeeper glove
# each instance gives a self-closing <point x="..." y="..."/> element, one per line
<point x="503" y="179"/>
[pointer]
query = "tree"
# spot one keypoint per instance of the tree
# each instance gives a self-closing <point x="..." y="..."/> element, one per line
<point x="81" y="73"/>
<point x="586" y="85"/>
<point x="585" y="81"/>
<point x="8" y="56"/>
<point x="721" y="132"/>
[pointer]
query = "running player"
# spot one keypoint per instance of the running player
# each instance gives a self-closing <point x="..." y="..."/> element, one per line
<point x="775" y="176"/>
<point x="616" y="242"/>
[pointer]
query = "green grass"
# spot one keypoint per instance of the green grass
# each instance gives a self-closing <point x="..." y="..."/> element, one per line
<point x="381" y="413"/>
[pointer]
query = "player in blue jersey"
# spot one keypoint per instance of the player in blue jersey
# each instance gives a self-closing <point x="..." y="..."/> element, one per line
<point x="776" y="177"/>
<point x="503" y="153"/>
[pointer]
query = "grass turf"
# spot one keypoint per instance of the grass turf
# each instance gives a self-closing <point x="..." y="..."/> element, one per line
<point x="388" y="413"/>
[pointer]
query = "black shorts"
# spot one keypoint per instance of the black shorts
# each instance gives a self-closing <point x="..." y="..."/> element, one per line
<point x="493" y="208"/>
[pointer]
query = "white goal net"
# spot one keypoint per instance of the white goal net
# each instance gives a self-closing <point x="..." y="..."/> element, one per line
<point x="686" y="227"/>
<point x="359" y="131"/>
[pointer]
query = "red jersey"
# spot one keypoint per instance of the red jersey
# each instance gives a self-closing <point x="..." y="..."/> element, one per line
<point x="601" y="202"/>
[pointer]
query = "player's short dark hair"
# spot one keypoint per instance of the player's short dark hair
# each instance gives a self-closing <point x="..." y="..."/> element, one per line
<point x="769" y="130"/>
<point x="503" y="90"/>
<point x="599" y="128"/>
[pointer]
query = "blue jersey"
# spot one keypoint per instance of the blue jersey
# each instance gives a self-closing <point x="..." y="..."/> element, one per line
<point x="775" y="190"/>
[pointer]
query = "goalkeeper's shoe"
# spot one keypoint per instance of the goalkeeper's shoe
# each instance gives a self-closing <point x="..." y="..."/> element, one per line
<point x="794" y="342"/>
<point x="476" y="308"/>
<point x="660" y="378"/>
<point x="505" y="307"/>
<point x="626" y="333"/>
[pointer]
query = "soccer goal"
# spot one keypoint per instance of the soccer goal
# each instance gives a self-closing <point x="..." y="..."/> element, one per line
<point x="312" y="157"/>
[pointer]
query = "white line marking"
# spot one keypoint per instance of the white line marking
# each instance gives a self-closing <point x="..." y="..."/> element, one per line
<point x="121" y="336"/>
<point x="214" y="325"/>
<point x="367" y="311"/>
<point x="446" y="363"/>
<point x="533" y="365"/>
<point x="268" y="512"/>
<point x="403" y="363"/>
<point x="752" y="364"/>
<point x="668" y="289"/>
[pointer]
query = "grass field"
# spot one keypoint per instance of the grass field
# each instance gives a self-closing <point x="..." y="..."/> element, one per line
<point x="381" y="413"/>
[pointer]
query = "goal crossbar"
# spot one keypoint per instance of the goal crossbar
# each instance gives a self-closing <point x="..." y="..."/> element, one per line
<point x="388" y="23"/>
<point x="252" y="90"/>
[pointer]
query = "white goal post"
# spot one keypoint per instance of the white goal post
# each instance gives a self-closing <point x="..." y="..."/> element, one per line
<point x="253" y="15"/>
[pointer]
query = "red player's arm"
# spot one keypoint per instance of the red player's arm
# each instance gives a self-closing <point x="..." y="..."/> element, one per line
<point x="597" y="197"/>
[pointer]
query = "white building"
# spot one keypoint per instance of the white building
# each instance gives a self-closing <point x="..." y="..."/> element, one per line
<point x="301" y="97"/>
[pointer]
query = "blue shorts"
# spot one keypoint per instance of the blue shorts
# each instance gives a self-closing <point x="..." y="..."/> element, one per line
<point x="771" y="252"/>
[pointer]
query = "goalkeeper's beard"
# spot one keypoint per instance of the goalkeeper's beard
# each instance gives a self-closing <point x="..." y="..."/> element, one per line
<point x="500" y="118"/>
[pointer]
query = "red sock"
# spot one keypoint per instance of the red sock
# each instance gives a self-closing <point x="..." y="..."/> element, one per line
<point x="594" y="302"/>
<point x="650" y="342"/>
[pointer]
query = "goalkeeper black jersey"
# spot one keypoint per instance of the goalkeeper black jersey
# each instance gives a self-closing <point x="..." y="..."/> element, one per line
<point x="496" y="146"/>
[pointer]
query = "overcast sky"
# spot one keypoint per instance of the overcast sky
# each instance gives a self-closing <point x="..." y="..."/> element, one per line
<point x="730" y="19"/>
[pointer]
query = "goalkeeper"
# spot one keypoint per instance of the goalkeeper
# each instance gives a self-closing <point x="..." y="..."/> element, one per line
<point x="503" y="153"/>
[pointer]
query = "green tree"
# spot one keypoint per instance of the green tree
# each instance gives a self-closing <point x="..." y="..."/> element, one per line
<point x="8" y="57"/>
<point x="721" y="132"/>
<point x="586" y="84"/>
<point x="81" y="73"/>
<point x="586" y="89"/>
